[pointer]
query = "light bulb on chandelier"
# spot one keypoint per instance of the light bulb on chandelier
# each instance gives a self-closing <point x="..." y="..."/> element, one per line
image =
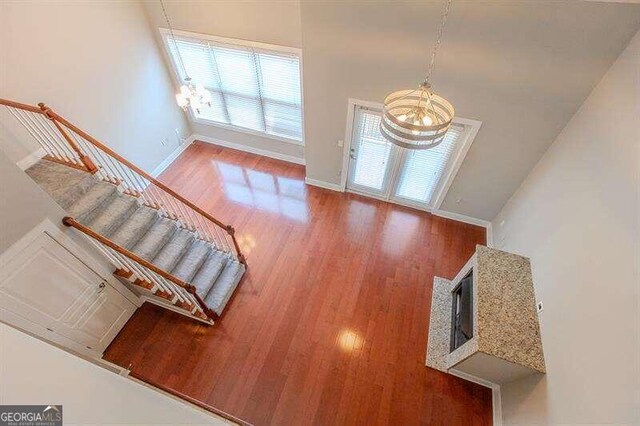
<point x="191" y="95"/>
<point x="194" y="96"/>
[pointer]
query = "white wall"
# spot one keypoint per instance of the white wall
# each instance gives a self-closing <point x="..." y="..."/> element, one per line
<point x="96" y="64"/>
<point x="576" y="216"/>
<point x="273" y="22"/>
<point x="34" y="372"/>
<point x="23" y="204"/>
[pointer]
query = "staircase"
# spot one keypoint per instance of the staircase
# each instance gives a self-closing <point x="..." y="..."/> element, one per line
<point x="162" y="244"/>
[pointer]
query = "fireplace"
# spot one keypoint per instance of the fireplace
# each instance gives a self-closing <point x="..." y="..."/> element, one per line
<point x="462" y="312"/>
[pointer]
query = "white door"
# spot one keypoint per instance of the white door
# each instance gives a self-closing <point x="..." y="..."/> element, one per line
<point x="372" y="158"/>
<point x="382" y="170"/>
<point x="47" y="285"/>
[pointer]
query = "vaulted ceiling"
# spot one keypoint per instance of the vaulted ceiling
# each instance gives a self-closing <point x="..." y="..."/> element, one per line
<point x="523" y="68"/>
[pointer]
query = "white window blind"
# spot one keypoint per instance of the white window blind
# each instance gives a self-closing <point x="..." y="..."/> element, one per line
<point x="423" y="169"/>
<point x="251" y="88"/>
<point x="373" y="152"/>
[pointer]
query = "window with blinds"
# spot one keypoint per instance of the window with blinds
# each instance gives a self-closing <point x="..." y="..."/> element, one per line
<point x="252" y="88"/>
<point x="423" y="169"/>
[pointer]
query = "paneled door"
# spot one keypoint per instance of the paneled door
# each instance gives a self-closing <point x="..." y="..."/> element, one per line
<point x="380" y="169"/>
<point x="47" y="285"/>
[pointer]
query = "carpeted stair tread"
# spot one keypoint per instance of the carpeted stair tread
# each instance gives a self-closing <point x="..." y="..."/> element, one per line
<point x="224" y="286"/>
<point x="64" y="184"/>
<point x="155" y="238"/>
<point x="192" y="260"/>
<point x="91" y="203"/>
<point x="140" y="229"/>
<point x="209" y="272"/>
<point x="173" y="250"/>
<point x="132" y="229"/>
<point x="113" y="215"/>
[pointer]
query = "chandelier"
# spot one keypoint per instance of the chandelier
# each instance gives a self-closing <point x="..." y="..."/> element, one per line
<point x="418" y="118"/>
<point x="190" y="94"/>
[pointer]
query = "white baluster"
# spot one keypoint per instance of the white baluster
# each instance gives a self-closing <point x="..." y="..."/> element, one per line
<point x="41" y="123"/>
<point x="18" y="116"/>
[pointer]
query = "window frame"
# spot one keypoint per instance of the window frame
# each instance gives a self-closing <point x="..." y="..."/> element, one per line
<point x="235" y="43"/>
<point x="471" y="128"/>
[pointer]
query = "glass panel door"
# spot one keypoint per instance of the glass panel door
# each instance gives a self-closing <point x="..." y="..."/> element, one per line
<point x="372" y="157"/>
<point x="385" y="171"/>
<point x="422" y="170"/>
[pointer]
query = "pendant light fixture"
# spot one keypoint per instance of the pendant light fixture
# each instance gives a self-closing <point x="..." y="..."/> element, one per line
<point x="418" y="118"/>
<point x="190" y="94"/>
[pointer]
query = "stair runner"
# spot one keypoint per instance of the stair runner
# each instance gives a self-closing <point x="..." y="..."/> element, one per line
<point x="99" y="205"/>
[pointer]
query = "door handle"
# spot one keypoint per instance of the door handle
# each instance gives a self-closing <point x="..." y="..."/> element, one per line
<point x="352" y="153"/>
<point x="102" y="286"/>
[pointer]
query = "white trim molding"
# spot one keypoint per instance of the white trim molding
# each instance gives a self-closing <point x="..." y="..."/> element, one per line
<point x="323" y="184"/>
<point x="171" y="158"/>
<point x="496" y="395"/>
<point x="462" y="218"/>
<point x="246" y="148"/>
<point x="490" y="235"/>
<point x="31" y="159"/>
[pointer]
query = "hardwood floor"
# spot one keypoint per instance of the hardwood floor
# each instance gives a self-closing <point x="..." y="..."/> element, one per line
<point x="330" y="323"/>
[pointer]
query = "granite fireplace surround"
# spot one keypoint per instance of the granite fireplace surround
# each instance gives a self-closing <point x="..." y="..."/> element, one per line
<point x="506" y="342"/>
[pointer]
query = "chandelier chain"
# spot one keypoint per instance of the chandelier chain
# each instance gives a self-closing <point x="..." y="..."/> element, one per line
<point x="175" y="43"/>
<point x="445" y="15"/>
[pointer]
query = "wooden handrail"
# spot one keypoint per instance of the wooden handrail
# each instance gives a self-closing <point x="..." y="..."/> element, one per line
<point x="49" y="113"/>
<point x="18" y="105"/>
<point x="71" y="222"/>
<point x="228" y="228"/>
<point x="136" y="169"/>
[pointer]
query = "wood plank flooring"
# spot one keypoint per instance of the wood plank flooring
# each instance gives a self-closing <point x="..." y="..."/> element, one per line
<point x="329" y="325"/>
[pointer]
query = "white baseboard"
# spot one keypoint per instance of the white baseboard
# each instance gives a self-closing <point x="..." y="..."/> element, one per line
<point x="249" y="149"/>
<point x="31" y="159"/>
<point x="496" y="396"/>
<point x="462" y="218"/>
<point x="171" y="158"/>
<point x="323" y="184"/>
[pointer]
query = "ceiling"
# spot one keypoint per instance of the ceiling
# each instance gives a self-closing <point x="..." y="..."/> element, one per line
<point x="523" y="68"/>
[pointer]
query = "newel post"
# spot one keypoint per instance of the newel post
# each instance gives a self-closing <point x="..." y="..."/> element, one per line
<point x="232" y="232"/>
<point x="48" y="112"/>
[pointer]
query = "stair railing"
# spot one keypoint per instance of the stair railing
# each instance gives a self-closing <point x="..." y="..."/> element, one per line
<point x="143" y="273"/>
<point x="65" y="143"/>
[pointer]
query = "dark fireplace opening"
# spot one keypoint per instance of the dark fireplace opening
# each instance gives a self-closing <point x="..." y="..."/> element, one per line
<point x="462" y="312"/>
